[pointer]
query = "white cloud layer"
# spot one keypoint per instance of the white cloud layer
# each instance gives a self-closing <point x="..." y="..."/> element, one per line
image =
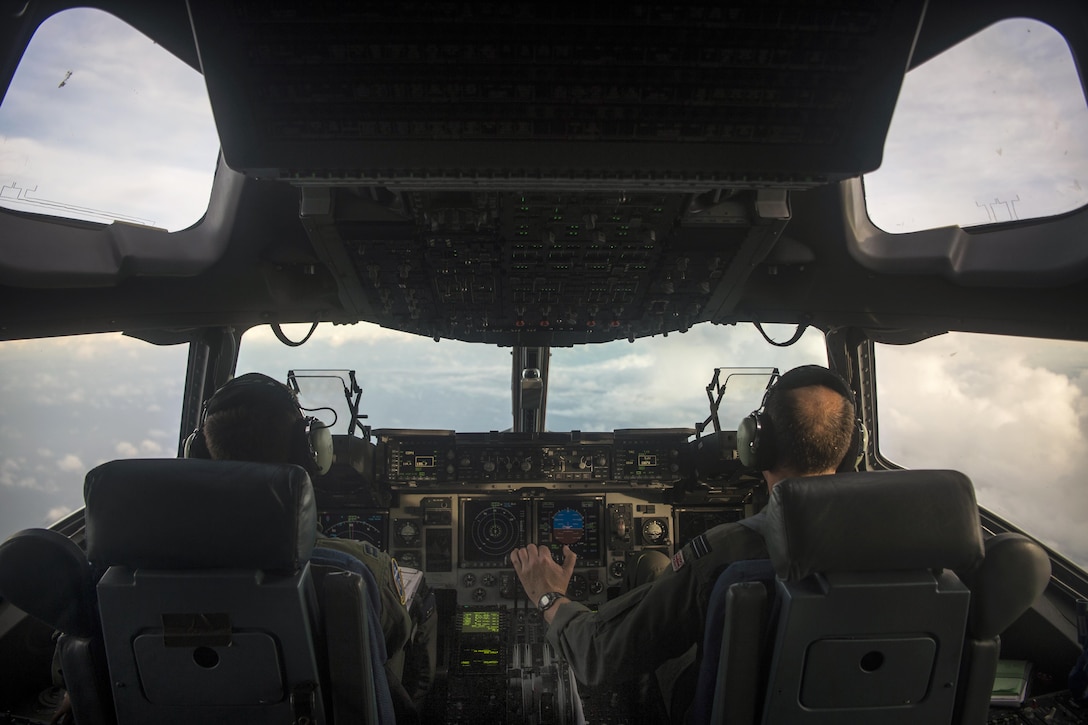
<point x="985" y="406"/>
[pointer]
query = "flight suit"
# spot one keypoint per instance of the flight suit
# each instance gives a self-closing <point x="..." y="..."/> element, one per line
<point x="637" y="632"/>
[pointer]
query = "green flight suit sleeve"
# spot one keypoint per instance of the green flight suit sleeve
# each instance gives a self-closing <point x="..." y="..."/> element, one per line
<point x="638" y="631"/>
<point x="631" y="634"/>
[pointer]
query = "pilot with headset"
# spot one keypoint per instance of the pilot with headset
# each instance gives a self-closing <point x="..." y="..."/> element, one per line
<point x="256" y="418"/>
<point x="805" y="426"/>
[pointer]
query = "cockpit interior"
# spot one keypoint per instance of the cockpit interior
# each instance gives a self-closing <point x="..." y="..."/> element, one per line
<point x="551" y="181"/>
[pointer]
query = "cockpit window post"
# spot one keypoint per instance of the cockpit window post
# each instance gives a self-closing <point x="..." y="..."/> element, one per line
<point x="213" y="353"/>
<point x="529" y="388"/>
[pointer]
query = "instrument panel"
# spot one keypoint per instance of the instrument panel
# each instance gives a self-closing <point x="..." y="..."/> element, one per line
<point x="459" y="503"/>
<point x="473" y="556"/>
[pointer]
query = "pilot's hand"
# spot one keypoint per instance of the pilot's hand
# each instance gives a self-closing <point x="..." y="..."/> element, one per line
<point x="538" y="571"/>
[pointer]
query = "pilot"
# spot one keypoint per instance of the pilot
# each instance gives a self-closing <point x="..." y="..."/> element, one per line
<point x="655" y="627"/>
<point x="257" y="418"/>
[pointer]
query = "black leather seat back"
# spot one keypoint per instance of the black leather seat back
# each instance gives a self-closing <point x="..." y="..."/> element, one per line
<point x="208" y="609"/>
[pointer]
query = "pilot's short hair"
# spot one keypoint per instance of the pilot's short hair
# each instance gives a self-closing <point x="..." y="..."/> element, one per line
<point x="246" y="433"/>
<point x="809" y="440"/>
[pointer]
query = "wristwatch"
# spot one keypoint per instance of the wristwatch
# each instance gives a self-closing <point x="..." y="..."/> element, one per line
<point x="547" y="600"/>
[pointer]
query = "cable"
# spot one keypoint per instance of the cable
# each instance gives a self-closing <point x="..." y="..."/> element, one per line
<point x="278" y="331"/>
<point x="801" y="327"/>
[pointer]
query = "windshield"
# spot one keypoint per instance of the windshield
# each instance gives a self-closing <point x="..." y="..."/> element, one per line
<point x="408" y="381"/>
<point x="71" y="403"/>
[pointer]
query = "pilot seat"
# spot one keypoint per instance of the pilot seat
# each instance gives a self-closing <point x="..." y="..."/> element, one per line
<point x="208" y="604"/>
<point x="858" y="615"/>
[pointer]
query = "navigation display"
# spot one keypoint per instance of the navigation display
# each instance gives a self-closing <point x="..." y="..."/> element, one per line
<point x="575" y="522"/>
<point x="490" y="530"/>
<point x="372" y="526"/>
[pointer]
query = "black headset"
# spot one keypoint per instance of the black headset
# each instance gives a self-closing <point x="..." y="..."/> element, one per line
<point x="311" y="441"/>
<point x="755" y="433"/>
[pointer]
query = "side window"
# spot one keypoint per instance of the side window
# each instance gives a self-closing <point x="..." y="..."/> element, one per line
<point x="71" y="403"/>
<point x="992" y="130"/>
<point x="1011" y="413"/>
<point x="101" y="124"/>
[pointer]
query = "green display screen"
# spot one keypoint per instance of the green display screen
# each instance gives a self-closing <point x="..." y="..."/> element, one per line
<point x="475" y="622"/>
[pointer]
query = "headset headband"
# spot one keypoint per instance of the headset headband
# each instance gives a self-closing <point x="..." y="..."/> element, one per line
<point x="806" y="375"/>
<point x="248" y="389"/>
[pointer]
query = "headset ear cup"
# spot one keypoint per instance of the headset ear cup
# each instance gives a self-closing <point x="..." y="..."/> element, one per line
<point x="196" y="446"/>
<point x="755" y="442"/>
<point x="746" y="440"/>
<point x="300" y="453"/>
<point x="321" y="446"/>
<point x="311" y="446"/>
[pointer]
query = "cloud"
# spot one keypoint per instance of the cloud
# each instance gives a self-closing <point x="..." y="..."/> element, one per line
<point x="70" y="463"/>
<point x="57" y="513"/>
<point x="126" y="449"/>
<point x="983" y="406"/>
<point x="13" y="475"/>
<point x="150" y="448"/>
<point x="662" y="381"/>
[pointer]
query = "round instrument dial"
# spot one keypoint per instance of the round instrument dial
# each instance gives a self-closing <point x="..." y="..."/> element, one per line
<point x="407" y="532"/>
<point x="654" y="531"/>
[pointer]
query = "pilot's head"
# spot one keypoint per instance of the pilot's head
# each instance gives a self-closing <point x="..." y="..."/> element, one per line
<point x="256" y="418"/>
<point x="804" y="428"/>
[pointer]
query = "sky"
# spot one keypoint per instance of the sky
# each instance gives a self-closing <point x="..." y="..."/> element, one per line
<point x="1013" y="414"/>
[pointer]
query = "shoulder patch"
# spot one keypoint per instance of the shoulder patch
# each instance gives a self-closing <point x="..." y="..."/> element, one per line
<point x="697" y="548"/>
<point x="700" y="547"/>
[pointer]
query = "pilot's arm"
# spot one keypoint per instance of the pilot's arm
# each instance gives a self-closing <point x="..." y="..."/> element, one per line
<point x="636" y="632"/>
<point x="626" y="636"/>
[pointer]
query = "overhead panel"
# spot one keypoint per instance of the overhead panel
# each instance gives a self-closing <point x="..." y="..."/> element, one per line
<point x="523" y="95"/>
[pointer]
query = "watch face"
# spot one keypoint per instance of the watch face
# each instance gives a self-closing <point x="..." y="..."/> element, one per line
<point x="546" y="600"/>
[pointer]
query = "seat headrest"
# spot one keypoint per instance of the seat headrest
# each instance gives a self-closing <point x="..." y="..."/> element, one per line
<point x="182" y="513"/>
<point x="45" y="574"/>
<point x="1014" y="573"/>
<point x="873" y="521"/>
